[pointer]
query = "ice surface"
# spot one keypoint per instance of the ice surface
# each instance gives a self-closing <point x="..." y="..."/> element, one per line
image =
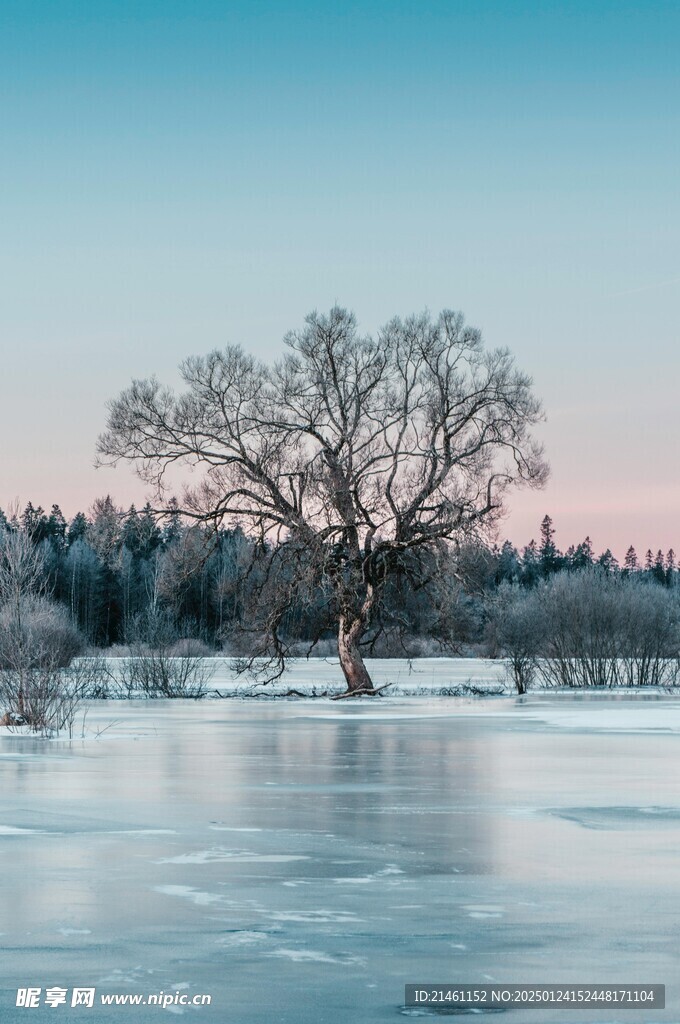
<point x="234" y="856"/>
<point x="301" y="861"/>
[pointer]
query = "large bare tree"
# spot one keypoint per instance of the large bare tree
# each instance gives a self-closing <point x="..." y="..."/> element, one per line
<point x="352" y="457"/>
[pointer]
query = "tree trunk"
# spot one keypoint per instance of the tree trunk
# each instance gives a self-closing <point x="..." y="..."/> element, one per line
<point x="351" y="662"/>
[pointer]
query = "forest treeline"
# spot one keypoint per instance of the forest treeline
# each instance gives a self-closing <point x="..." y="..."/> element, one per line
<point x="119" y="572"/>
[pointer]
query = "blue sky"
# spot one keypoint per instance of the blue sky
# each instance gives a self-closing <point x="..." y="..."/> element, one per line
<point x="178" y="175"/>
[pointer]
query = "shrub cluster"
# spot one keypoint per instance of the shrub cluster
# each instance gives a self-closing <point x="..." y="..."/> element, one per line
<point x="590" y="628"/>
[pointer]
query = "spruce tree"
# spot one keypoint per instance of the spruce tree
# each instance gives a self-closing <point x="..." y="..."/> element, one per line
<point x="659" y="570"/>
<point x="77" y="528"/>
<point x="583" y="556"/>
<point x="608" y="562"/>
<point x="531" y="570"/>
<point x="508" y="567"/>
<point x="56" y="527"/>
<point x="630" y="562"/>
<point x="550" y="558"/>
<point x="670" y="567"/>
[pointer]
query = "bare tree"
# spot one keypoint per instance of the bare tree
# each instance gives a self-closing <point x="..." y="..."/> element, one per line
<point x="347" y="457"/>
<point x="22" y="568"/>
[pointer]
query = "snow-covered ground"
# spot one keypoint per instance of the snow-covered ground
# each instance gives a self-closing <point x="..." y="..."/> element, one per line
<point x="302" y="860"/>
<point x="420" y="676"/>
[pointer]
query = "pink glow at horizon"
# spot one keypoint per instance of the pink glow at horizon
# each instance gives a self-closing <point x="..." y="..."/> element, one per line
<point x="614" y="522"/>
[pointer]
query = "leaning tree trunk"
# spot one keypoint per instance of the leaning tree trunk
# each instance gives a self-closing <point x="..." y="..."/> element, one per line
<point x="352" y="664"/>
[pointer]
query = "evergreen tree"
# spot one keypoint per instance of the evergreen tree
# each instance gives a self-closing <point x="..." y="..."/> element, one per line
<point x="659" y="569"/>
<point x="630" y="562"/>
<point x="508" y="567"/>
<point x="77" y="528"/>
<point x="608" y="562"/>
<point x="104" y="536"/>
<point x="129" y="531"/>
<point x="583" y="556"/>
<point x="56" y="528"/>
<point x="173" y="524"/>
<point x="84" y="587"/>
<point x="531" y="569"/>
<point x="149" y="533"/>
<point x="670" y="567"/>
<point x="104" y="532"/>
<point x="34" y="523"/>
<point x="549" y="557"/>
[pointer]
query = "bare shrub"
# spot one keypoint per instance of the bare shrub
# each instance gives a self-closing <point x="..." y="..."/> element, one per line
<point x="589" y="628"/>
<point x="517" y="627"/>
<point x="159" y="664"/>
<point x="40" y="684"/>
<point x="53" y="698"/>
<point x="42" y="633"/>
<point x="604" y="630"/>
<point x="38" y="642"/>
<point x="191" y="647"/>
<point x="651" y="647"/>
<point x="583" y="636"/>
<point x="156" y="673"/>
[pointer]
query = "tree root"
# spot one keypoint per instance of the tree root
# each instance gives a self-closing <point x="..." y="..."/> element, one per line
<point x="365" y="691"/>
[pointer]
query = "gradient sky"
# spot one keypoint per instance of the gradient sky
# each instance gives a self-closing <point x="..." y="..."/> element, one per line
<point x="178" y="175"/>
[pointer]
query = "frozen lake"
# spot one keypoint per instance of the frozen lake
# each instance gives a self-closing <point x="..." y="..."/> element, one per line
<point x="301" y="860"/>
